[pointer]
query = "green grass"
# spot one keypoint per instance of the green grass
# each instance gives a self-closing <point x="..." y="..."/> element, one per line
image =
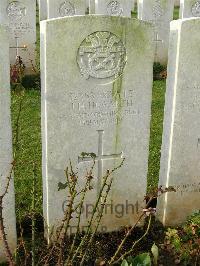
<point x="158" y="99"/>
<point x="176" y="13"/>
<point x="27" y="150"/>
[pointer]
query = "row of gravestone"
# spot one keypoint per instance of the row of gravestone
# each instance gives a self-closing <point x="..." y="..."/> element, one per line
<point x="98" y="88"/>
<point x="20" y="18"/>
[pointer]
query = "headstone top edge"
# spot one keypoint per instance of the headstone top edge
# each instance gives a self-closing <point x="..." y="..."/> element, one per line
<point x="89" y="17"/>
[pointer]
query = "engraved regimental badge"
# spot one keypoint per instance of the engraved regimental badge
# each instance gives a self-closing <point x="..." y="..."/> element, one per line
<point x="101" y="55"/>
<point x="16" y="11"/>
<point x="157" y="10"/>
<point x="196" y="9"/>
<point x="114" y="8"/>
<point x="67" y="9"/>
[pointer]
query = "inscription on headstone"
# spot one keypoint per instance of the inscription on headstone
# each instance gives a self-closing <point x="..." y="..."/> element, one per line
<point x="114" y="8"/>
<point x="20" y="18"/>
<point x="160" y="13"/>
<point x="190" y="8"/>
<point x="61" y="8"/>
<point x="100" y="93"/>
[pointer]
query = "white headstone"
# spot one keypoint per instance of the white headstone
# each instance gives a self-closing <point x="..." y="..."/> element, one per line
<point x="190" y="8"/>
<point x="42" y="9"/>
<point x="180" y="164"/>
<point x="160" y="13"/>
<point x="20" y="17"/>
<point x="101" y="105"/>
<point x="6" y="146"/>
<point x="114" y="8"/>
<point x="87" y="5"/>
<point x="91" y="6"/>
<point x="65" y="8"/>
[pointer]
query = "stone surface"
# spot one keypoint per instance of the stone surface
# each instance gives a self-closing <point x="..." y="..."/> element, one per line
<point x="114" y="8"/>
<point x="20" y="17"/>
<point x="62" y="8"/>
<point x="101" y="105"/>
<point x="91" y="6"/>
<point x="189" y="8"/>
<point x="160" y="13"/>
<point x="6" y="145"/>
<point x="180" y="164"/>
<point x="42" y="9"/>
<point x="177" y="3"/>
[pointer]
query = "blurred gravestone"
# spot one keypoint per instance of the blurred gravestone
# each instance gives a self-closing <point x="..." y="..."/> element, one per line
<point x="91" y="6"/>
<point x="42" y="9"/>
<point x="160" y="13"/>
<point x="65" y="8"/>
<point x="190" y="8"/>
<point x="114" y="8"/>
<point x="20" y="18"/>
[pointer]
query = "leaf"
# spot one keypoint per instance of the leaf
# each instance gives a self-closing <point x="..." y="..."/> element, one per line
<point x="62" y="186"/>
<point x="124" y="263"/>
<point x="142" y="260"/>
<point x="155" y="253"/>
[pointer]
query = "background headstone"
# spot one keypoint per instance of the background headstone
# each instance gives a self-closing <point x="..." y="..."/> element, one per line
<point x="114" y="8"/>
<point x="20" y="17"/>
<point x="6" y="145"/>
<point x="42" y="9"/>
<point x="91" y="6"/>
<point x="180" y="164"/>
<point x="87" y="5"/>
<point x="177" y="3"/>
<point x="101" y="93"/>
<point x="65" y="8"/>
<point x="160" y="13"/>
<point x="189" y="8"/>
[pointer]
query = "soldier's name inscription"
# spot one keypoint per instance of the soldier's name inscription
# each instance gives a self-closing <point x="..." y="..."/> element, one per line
<point x="97" y="107"/>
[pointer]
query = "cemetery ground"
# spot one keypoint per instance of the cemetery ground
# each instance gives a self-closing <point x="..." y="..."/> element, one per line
<point x="177" y="246"/>
<point x="28" y="183"/>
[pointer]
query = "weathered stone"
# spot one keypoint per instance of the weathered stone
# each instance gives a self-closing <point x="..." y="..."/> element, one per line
<point x="114" y="8"/>
<point x="20" y="18"/>
<point x="42" y="9"/>
<point x="65" y="8"/>
<point x="160" y="13"/>
<point x="97" y="101"/>
<point x="177" y="3"/>
<point x="180" y="164"/>
<point x="189" y="8"/>
<point x="91" y="6"/>
<point x="6" y="146"/>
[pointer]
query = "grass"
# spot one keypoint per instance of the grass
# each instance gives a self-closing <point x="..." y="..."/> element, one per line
<point x="28" y="150"/>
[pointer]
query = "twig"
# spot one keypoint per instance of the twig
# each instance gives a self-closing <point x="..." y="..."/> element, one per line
<point x="84" y="239"/>
<point x="8" y="252"/>
<point x="135" y="243"/>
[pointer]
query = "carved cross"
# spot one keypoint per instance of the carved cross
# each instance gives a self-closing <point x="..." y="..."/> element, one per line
<point x="17" y="47"/>
<point x="100" y="157"/>
<point x="157" y="41"/>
